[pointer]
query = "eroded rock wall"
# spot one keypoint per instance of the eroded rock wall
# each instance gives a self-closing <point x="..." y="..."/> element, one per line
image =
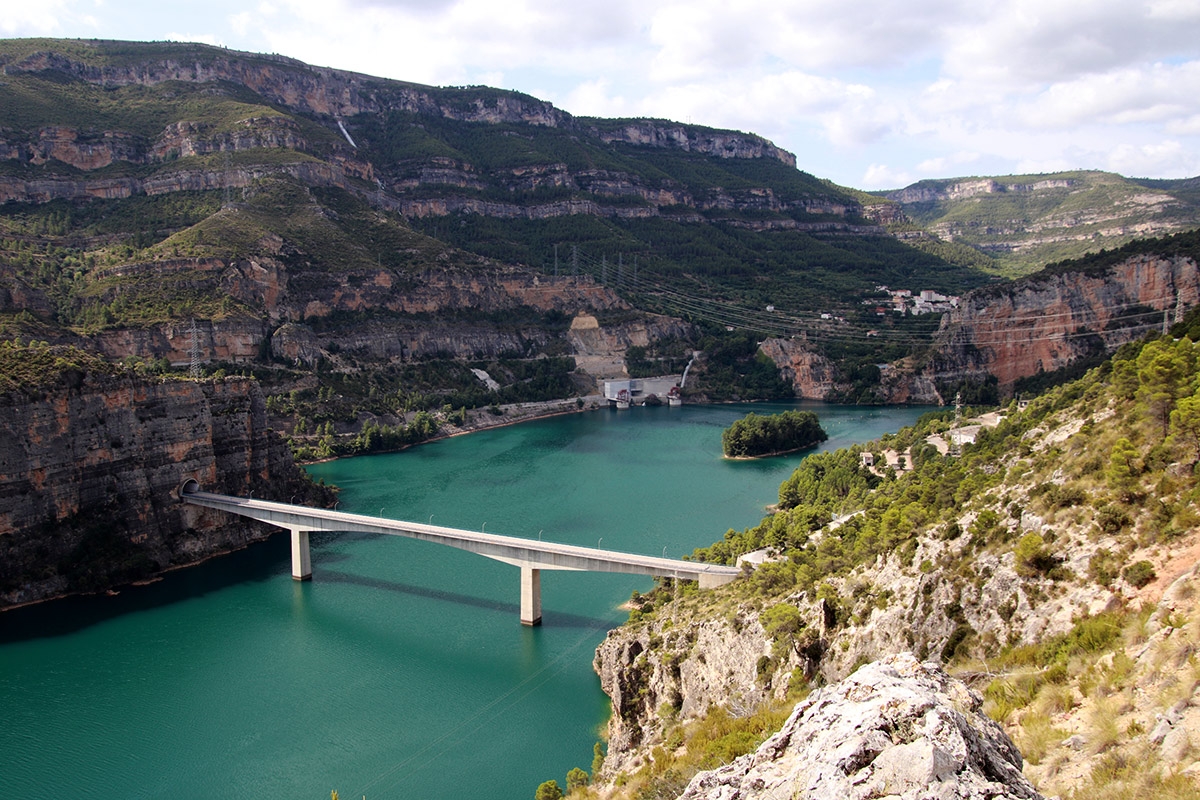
<point x="89" y="469"/>
<point x="1045" y="323"/>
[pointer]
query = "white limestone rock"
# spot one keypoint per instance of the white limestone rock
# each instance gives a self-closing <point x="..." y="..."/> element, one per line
<point x="895" y="728"/>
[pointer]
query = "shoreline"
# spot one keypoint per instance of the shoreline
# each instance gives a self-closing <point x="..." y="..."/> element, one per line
<point x="542" y="409"/>
<point x="484" y="420"/>
<point x="157" y="577"/>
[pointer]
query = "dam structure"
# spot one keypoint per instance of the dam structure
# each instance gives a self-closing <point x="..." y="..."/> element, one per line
<point x="530" y="555"/>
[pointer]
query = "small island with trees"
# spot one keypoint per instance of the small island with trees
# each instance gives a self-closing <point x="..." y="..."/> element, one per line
<point x="755" y="436"/>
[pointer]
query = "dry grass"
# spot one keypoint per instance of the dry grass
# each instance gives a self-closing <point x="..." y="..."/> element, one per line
<point x="1037" y="736"/>
<point x="1135" y="774"/>
<point x="1055" y="699"/>
<point x="1103" y="728"/>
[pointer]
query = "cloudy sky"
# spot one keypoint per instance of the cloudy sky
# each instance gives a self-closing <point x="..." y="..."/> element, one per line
<point x="869" y="93"/>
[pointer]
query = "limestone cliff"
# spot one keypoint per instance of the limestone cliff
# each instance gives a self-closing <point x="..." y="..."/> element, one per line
<point x="816" y="377"/>
<point x="1016" y="330"/>
<point x="813" y="375"/>
<point x="1046" y="322"/>
<point x="895" y="728"/>
<point x="301" y="126"/>
<point x="377" y="314"/>
<point x="88" y="469"/>
<point x="1024" y="222"/>
<point x="599" y="350"/>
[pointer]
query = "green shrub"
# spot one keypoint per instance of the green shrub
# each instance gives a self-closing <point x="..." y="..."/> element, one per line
<point x="1033" y="557"/>
<point x="1139" y="574"/>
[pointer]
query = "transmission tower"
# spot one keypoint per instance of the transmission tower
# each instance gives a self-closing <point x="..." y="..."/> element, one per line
<point x="556" y="260"/>
<point x="955" y="441"/>
<point x="575" y="262"/>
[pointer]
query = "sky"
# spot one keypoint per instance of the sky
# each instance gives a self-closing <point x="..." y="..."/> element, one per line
<point x="873" y="94"/>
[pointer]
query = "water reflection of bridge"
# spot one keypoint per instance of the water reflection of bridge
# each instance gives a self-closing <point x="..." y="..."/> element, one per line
<point x="531" y="556"/>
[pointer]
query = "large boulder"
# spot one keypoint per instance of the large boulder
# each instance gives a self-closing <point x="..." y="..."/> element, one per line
<point x="896" y="728"/>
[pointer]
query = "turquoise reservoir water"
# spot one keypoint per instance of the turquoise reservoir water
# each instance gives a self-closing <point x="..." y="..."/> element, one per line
<point x="401" y="670"/>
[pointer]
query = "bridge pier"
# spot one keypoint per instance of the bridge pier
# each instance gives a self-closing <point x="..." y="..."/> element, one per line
<point x="301" y="560"/>
<point x="531" y="596"/>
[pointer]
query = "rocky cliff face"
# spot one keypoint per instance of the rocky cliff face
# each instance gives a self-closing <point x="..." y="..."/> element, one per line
<point x="89" y="467"/>
<point x="337" y="101"/>
<point x="291" y="83"/>
<point x="342" y="94"/>
<point x="895" y="728"/>
<point x="599" y="350"/>
<point x="1024" y="562"/>
<point x="726" y="658"/>
<point x="1045" y="323"/>
<point x="1028" y="221"/>
<point x="693" y="667"/>
<point x="169" y="179"/>
<point x="383" y="314"/>
<point x="724" y="144"/>
<point x="813" y="375"/>
<point x="961" y="190"/>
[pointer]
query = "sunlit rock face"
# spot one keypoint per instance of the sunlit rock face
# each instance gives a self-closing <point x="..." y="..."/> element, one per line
<point x="895" y="728"/>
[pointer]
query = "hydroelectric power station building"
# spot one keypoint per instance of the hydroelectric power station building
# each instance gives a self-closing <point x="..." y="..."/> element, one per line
<point x="636" y="391"/>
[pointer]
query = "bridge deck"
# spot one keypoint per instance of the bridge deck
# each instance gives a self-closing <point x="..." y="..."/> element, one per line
<point x="531" y="555"/>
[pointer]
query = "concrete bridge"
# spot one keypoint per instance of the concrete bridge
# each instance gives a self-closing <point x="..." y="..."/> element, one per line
<point x="531" y="556"/>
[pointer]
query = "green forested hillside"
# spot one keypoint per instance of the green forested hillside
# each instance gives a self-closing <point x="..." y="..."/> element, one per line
<point x="1030" y="563"/>
<point x="1130" y="464"/>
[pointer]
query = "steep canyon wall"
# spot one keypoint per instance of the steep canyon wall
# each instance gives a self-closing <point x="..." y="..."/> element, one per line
<point x="89" y="467"/>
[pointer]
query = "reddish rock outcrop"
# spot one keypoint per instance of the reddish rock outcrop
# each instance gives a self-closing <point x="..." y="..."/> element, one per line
<point x="1044" y="323"/>
<point x="813" y="376"/>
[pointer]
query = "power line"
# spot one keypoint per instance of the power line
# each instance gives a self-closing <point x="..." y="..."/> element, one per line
<point x="1017" y="328"/>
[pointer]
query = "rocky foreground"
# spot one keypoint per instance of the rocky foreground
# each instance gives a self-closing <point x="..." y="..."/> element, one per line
<point x="895" y="728"/>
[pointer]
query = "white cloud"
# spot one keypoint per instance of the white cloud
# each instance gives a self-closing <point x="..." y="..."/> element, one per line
<point x="1175" y="10"/>
<point x="1189" y="126"/>
<point x="1036" y="165"/>
<point x="1027" y="42"/>
<point x="33" y="19"/>
<point x="943" y="165"/>
<point x="1152" y="160"/>
<point x="882" y="176"/>
<point x="240" y="23"/>
<point x="1157" y="93"/>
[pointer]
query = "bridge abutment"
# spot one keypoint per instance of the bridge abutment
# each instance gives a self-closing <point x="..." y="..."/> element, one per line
<point x="301" y="560"/>
<point x="531" y="596"/>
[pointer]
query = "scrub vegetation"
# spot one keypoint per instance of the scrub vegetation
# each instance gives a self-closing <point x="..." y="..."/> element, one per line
<point x="1095" y="484"/>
